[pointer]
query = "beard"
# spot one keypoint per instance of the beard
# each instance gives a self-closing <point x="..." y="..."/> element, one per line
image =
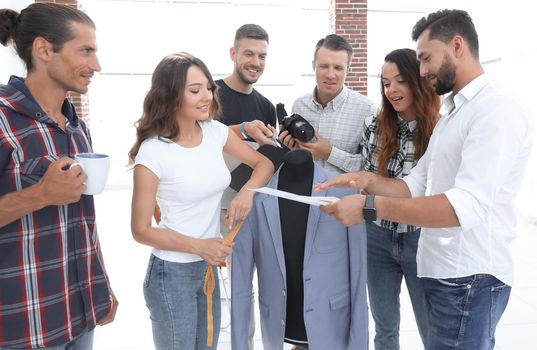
<point x="244" y="78"/>
<point x="445" y="76"/>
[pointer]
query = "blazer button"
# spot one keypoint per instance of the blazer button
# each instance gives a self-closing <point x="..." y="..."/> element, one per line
<point x="283" y="292"/>
<point x="283" y="323"/>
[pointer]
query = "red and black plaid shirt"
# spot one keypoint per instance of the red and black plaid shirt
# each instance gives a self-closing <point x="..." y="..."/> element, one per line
<point x="52" y="282"/>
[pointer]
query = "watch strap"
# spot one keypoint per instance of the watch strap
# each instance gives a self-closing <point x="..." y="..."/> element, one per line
<point x="243" y="130"/>
<point x="369" y="201"/>
<point x="369" y="210"/>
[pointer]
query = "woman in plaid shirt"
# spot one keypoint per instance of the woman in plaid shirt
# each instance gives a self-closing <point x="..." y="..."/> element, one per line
<point x="392" y="143"/>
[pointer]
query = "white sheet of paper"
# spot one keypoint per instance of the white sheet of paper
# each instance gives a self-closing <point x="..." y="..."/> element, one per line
<point x="311" y="200"/>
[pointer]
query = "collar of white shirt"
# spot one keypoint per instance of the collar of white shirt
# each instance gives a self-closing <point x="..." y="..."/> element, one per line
<point x="467" y="93"/>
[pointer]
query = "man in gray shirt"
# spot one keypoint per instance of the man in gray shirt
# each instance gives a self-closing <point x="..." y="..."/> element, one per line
<point x="336" y="112"/>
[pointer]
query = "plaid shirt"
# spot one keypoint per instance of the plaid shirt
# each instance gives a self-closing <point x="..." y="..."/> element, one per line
<point x="340" y="123"/>
<point x="399" y="165"/>
<point x="52" y="282"/>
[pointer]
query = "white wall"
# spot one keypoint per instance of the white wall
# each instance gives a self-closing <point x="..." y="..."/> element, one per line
<point x="130" y="49"/>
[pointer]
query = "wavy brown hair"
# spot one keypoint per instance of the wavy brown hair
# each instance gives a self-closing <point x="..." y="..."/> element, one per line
<point x="165" y="98"/>
<point x="426" y="105"/>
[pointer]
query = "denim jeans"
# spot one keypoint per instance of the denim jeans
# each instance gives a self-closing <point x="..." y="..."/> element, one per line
<point x="464" y="312"/>
<point x="177" y="305"/>
<point x="390" y="256"/>
<point x="84" y="341"/>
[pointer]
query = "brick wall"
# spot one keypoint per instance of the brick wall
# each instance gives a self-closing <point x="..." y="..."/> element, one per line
<point x="349" y="19"/>
<point x="81" y="102"/>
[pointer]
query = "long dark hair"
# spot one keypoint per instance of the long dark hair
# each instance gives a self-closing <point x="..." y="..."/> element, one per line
<point x="426" y="105"/>
<point x="165" y="98"/>
<point x="50" y="21"/>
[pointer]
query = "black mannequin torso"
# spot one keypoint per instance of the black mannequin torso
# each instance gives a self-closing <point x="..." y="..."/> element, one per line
<point x="296" y="176"/>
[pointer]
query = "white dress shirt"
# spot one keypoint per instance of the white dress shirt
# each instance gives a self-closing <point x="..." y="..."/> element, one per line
<point x="476" y="157"/>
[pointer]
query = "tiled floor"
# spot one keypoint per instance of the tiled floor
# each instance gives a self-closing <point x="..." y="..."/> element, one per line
<point x="126" y="263"/>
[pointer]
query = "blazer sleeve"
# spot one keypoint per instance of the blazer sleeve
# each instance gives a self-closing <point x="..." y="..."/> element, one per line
<point x="242" y="268"/>
<point x="359" y="334"/>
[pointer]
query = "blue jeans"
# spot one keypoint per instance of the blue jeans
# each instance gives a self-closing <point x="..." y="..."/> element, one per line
<point x="83" y="341"/>
<point x="464" y="312"/>
<point x="390" y="256"/>
<point x="177" y="305"/>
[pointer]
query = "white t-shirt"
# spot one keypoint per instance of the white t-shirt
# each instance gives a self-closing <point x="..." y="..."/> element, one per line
<point x="476" y="157"/>
<point x="191" y="183"/>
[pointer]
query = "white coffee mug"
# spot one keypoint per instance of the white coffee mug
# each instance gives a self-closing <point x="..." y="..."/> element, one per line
<point x="96" y="167"/>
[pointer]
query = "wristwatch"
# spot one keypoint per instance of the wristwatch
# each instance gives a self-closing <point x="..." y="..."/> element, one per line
<point x="243" y="130"/>
<point x="369" y="211"/>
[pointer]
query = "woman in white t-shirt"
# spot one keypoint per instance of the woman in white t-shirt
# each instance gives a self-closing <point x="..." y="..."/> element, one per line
<point x="179" y="164"/>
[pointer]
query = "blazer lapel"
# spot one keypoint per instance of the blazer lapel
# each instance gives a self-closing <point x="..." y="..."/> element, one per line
<point x="314" y="214"/>
<point x="272" y="213"/>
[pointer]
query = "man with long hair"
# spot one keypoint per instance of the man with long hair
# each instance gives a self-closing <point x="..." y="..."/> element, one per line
<point x="53" y="285"/>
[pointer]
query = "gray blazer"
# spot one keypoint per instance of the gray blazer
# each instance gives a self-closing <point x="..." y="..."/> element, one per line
<point x="335" y="306"/>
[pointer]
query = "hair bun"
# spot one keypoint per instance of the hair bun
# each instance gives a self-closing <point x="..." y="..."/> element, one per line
<point x="8" y="22"/>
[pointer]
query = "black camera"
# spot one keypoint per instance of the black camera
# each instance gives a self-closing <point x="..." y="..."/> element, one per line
<point x="295" y="124"/>
<point x="298" y="127"/>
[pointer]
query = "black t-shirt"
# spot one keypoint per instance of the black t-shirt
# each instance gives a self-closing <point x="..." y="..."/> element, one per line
<point x="236" y="107"/>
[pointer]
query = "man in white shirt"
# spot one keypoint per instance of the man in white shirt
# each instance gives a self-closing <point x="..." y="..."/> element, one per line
<point x="336" y="112"/>
<point x="461" y="191"/>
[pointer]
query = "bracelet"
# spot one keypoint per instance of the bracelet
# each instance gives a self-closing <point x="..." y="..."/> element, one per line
<point x="243" y="131"/>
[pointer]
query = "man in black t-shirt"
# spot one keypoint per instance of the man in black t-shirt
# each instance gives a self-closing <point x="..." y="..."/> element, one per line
<point x="244" y="109"/>
<point x="248" y="113"/>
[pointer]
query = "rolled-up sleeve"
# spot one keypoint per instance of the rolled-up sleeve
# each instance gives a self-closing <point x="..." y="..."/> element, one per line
<point x="469" y="210"/>
<point x="491" y="160"/>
